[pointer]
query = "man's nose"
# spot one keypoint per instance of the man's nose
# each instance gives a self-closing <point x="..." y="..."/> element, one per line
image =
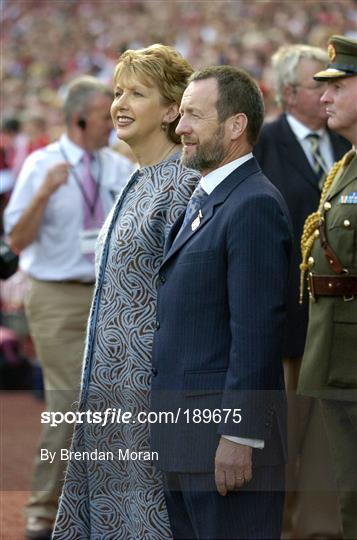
<point x="182" y="127"/>
<point x="325" y="97"/>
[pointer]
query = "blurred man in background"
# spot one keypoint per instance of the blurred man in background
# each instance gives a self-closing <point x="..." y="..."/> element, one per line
<point x="62" y="196"/>
<point x="295" y="151"/>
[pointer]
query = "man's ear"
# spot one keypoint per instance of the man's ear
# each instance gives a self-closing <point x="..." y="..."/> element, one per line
<point x="171" y="114"/>
<point x="238" y="125"/>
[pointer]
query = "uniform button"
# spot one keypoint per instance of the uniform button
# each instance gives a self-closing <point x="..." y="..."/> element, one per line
<point x="157" y="325"/>
<point x="154" y="371"/>
<point x="317" y="233"/>
<point x="347" y="223"/>
<point x="310" y="262"/>
<point x="327" y="205"/>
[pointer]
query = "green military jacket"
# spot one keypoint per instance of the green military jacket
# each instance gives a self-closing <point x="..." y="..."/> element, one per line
<point x="329" y="367"/>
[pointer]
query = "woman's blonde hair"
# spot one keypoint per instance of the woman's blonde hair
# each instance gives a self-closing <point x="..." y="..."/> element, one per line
<point x="161" y="65"/>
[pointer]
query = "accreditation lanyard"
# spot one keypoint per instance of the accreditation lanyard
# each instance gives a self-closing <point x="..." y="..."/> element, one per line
<point x="91" y="205"/>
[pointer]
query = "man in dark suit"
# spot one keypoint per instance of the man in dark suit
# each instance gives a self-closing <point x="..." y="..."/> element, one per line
<point x="220" y="317"/>
<point x="297" y="168"/>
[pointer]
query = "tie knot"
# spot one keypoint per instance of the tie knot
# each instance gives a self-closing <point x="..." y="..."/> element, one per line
<point x="87" y="158"/>
<point x="199" y="193"/>
<point x="314" y="138"/>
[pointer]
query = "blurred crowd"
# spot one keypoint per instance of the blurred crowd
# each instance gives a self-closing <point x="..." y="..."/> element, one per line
<point x="45" y="43"/>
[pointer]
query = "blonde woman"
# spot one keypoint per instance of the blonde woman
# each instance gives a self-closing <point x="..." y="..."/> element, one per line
<point x="117" y="493"/>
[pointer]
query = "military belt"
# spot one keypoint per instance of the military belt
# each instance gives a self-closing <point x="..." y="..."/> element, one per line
<point x="342" y="285"/>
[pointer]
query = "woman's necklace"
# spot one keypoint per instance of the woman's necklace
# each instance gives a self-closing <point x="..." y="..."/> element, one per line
<point x="168" y="152"/>
<point x="154" y="161"/>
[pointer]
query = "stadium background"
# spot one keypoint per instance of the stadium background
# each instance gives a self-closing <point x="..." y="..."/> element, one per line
<point x="45" y="43"/>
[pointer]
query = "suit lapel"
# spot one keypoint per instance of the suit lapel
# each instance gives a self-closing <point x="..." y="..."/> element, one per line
<point x="207" y="212"/>
<point x="173" y="233"/>
<point x="217" y="197"/>
<point x="291" y="147"/>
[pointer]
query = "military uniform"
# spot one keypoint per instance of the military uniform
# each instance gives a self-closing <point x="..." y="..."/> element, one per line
<point x="329" y="368"/>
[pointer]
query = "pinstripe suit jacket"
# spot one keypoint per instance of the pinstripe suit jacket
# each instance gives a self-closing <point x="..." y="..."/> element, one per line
<point x="220" y="318"/>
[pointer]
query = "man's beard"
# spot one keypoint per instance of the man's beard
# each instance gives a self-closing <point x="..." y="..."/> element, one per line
<point x="208" y="155"/>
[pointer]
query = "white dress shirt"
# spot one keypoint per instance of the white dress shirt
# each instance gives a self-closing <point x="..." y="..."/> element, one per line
<point x="55" y="254"/>
<point x="209" y="183"/>
<point x="301" y="131"/>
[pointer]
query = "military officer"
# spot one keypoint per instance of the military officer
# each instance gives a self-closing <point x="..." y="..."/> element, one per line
<point x="329" y="248"/>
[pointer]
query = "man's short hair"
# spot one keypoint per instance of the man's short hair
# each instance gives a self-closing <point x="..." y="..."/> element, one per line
<point x="80" y="93"/>
<point x="285" y="62"/>
<point x="237" y="93"/>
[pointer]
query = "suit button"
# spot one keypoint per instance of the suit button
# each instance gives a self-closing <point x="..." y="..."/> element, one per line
<point x="154" y="371"/>
<point x="162" y="278"/>
<point x="157" y="325"/>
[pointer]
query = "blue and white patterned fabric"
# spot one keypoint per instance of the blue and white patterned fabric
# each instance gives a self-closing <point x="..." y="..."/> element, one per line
<point x="123" y="499"/>
<point x="194" y="204"/>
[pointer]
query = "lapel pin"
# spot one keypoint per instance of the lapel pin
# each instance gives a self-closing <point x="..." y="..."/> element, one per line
<point x="196" y="222"/>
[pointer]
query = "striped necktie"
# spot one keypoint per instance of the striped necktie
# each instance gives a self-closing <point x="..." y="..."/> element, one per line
<point x="93" y="211"/>
<point x="194" y="204"/>
<point x="318" y="162"/>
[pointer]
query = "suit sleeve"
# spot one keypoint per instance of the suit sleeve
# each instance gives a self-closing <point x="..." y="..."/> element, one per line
<point x="258" y="249"/>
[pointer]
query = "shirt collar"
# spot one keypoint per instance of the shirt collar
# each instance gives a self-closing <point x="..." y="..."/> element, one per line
<point x="214" y="178"/>
<point x="72" y="151"/>
<point x="300" y="130"/>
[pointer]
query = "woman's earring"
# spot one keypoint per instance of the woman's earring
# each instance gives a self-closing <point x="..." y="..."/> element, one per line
<point x="164" y="126"/>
